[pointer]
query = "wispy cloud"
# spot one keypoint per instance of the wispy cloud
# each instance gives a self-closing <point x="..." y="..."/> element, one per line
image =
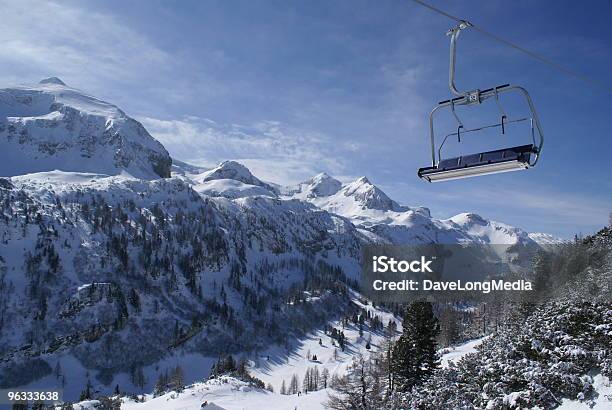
<point x="83" y="46"/>
<point x="271" y="149"/>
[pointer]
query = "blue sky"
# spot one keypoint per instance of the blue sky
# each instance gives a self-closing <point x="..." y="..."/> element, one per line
<point x="293" y="88"/>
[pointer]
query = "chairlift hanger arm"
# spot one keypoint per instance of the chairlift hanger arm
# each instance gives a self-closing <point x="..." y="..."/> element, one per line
<point x="454" y="34"/>
<point x="464" y="97"/>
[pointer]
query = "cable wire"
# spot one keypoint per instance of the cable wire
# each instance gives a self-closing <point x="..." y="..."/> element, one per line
<point x="533" y="55"/>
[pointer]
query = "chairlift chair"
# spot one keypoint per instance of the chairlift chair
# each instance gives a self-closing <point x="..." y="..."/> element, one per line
<point x="483" y="163"/>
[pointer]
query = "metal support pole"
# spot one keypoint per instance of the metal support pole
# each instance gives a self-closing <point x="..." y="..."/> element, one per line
<point x="454" y="34"/>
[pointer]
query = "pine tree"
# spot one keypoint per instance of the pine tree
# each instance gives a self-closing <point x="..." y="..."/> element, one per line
<point x="58" y="370"/>
<point x="86" y="393"/>
<point x="162" y="383"/>
<point x="449" y="331"/>
<point x="294" y="385"/>
<point x="229" y="364"/>
<point x="541" y="271"/>
<point x="134" y="299"/>
<point x="324" y="377"/>
<point x="137" y="376"/>
<point x="283" y="389"/>
<point x="177" y="379"/>
<point x="306" y="383"/>
<point x="414" y="354"/>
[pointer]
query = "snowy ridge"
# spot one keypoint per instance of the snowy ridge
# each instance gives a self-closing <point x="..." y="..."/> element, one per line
<point x="321" y="185"/>
<point x="359" y="200"/>
<point x="487" y="231"/>
<point x="369" y="208"/>
<point x="51" y="126"/>
<point x="229" y="179"/>
<point x="232" y="170"/>
<point x="545" y="239"/>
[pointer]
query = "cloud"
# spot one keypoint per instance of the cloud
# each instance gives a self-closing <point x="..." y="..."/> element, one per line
<point x="273" y="150"/>
<point x="82" y="46"/>
<point x="574" y="209"/>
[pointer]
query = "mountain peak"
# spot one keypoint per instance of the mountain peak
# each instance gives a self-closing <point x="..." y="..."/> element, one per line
<point x="468" y="219"/>
<point x="52" y="80"/>
<point x="363" y="180"/>
<point x="369" y="195"/>
<point x="320" y="176"/>
<point x="236" y="171"/>
<point x="230" y="170"/>
<point x="234" y="166"/>
<point x="322" y="185"/>
<point x="54" y="127"/>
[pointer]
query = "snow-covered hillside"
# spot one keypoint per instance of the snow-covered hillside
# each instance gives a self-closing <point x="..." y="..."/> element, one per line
<point x="316" y="350"/>
<point x="110" y="274"/>
<point x="51" y="126"/>
<point x="275" y="366"/>
<point x="117" y="273"/>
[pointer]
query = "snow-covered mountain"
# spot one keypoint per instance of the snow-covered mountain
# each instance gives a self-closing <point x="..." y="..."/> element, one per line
<point x="110" y="271"/>
<point x="234" y="171"/>
<point x="372" y="211"/>
<point x="51" y="126"/>
<point x="229" y="179"/>
<point x="117" y="273"/>
<point x="321" y="185"/>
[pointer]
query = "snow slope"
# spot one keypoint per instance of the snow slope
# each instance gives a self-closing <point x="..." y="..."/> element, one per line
<point x="279" y="363"/>
<point x="229" y="394"/>
<point x="321" y="185"/>
<point x="454" y="354"/>
<point x="230" y="188"/>
<point x="51" y="126"/>
<point x="274" y="365"/>
<point x="603" y="401"/>
<point x="75" y="245"/>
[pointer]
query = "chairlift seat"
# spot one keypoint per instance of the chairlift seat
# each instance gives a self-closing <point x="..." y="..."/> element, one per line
<point x="490" y="162"/>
